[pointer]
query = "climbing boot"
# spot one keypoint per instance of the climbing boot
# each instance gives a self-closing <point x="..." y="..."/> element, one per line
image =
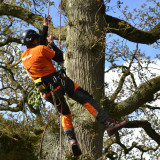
<point x="75" y="147"/>
<point x="73" y="142"/>
<point x="113" y="126"/>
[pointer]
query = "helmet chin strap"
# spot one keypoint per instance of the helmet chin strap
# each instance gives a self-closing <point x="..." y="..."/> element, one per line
<point x="38" y="42"/>
<point x="34" y="43"/>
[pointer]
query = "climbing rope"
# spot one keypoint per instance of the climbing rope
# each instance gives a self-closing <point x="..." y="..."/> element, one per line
<point x="60" y="24"/>
<point x="49" y="31"/>
<point x="60" y="72"/>
<point x="34" y="98"/>
<point x="48" y="119"/>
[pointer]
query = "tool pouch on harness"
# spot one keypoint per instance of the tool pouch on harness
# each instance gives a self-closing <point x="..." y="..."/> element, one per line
<point x="39" y="84"/>
<point x="52" y="81"/>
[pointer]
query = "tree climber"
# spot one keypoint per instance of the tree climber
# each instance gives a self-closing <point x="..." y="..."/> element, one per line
<point x="37" y="60"/>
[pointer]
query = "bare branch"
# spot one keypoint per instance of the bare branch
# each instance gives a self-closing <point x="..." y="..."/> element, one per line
<point x="31" y="18"/>
<point x="133" y="80"/>
<point x="151" y="107"/>
<point x="142" y="148"/>
<point x="8" y="70"/>
<point x="147" y="127"/>
<point x="120" y="85"/>
<point x="127" y="31"/>
<point x="12" y="109"/>
<point x="143" y="94"/>
<point x="9" y="40"/>
<point x="116" y="66"/>
<point x="126" y="150"/>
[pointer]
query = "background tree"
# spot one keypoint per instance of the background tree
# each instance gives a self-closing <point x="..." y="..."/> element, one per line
<point x="87" y="28"/>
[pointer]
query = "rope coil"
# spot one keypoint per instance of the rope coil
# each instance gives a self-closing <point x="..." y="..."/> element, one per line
<point x="34" y="98"/>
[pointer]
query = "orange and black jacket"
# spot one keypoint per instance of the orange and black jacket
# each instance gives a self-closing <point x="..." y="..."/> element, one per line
<point x="38" y="60"/>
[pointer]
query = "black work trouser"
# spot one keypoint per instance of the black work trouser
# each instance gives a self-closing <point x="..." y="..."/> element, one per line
<point x="62" y="85"/>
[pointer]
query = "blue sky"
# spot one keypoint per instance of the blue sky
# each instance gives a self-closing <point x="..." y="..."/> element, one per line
<point x="132" y="4"/>
<point x="148" y="49"/>
<point x="115" y="12"/>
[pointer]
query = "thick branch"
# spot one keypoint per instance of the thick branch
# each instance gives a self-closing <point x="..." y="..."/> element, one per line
<point x="12" y="109"/>
<point x="22" y="13"/>
<point x="147" y="127"/>
<point x="9" y="40"/>
<point x="29" y="17"/>
<point x="143" y="94"/>
<point x="127" y="31"/>
<point x="8" y="70"/>
<point x="19" y="105"/>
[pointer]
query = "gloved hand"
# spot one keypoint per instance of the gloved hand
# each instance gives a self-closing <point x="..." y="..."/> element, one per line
<point x="50" y="39"/>
<point x="47" y="20"/>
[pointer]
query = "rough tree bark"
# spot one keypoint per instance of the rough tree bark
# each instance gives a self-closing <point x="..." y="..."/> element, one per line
<point x="85" y="65"/>
<point x="85" y="60"/>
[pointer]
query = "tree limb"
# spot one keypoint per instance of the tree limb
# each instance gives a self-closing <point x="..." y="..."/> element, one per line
<point x="9" y="40"/>
<point x="147" y="127"/>
<point x="120" y="85"/>
<point x="19" y="105"/>
<point x="116" y="66"/>
<point x="127" y="31"/>
<point x="143" y="94"/>
<point x="126" y="150"/>
<point x="12" y="109"/>
<point x="133" y="80"/>
<point x="31" y="18"/>
<point x="1" y="89"/>
<point x="150" y="107"/>
<point x="9" y="71"/>
<point x="142" y="148"/>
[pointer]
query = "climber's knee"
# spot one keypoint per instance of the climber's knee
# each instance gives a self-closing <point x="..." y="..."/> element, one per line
<point x="70" y="87"/>
<point x="81" y="96"/>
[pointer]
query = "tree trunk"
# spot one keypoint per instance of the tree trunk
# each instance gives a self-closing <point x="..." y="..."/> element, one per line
<point x="89" y="135"/>
<point x="85" y="44"/>
<point x="85" y="61"/>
